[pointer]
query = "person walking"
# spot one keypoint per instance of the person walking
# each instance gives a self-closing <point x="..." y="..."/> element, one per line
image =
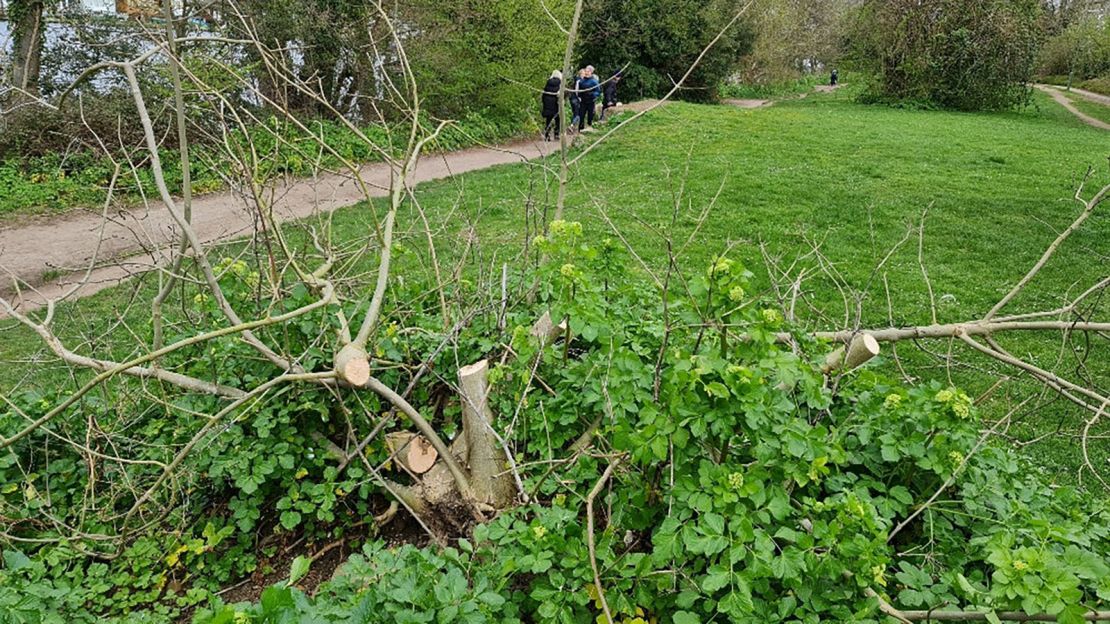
<point x="550" y="105"/>
<point x="588" y="91"/>
<point x="610" y="99"/>
<point x="834" y="78"/>
<point x="575" y="99"/>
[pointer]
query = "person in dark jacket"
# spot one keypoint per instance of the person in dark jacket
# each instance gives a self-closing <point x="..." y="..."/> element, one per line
<point x="610" y="100"/>
<point x="574" y="99"/>
<point x="550" y="101"/>
<point x="834" y="78"/>
<point x="588" y="91"/>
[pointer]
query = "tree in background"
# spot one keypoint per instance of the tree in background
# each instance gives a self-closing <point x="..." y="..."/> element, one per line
<point x="1080" y="51"/>
<point x="961" y="54"/>
<point x="793" y="37"/>
<point x="659" y="39"/>
<point x="474" y="56"/>
<point x="28" y="32"/>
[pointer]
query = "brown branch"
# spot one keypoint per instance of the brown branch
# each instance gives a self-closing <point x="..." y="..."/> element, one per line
<point x="590" y="535"/>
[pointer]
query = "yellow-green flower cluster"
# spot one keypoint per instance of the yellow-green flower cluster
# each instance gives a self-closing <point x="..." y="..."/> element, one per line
<point x="736" y="480"/>
<point x="957" y="400"/>
<point x="720" y="266"/>
<point x="771" y="316"/>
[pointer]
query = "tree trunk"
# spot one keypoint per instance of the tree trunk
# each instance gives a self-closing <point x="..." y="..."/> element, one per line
<point x="27" y="34"/>
<point x="490" y="476"/>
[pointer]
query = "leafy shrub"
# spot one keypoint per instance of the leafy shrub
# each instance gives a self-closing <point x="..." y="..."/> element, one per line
<point x="799" y="86"/>
<point x="659" y="41"/>
<point x="1098" y="85"/>
<point x="749" y="489"/>
<point x="486" y="58"/>
<point x="976" y="55"/>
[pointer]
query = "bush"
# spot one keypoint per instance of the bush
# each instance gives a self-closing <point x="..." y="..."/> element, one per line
<point x="750" y="491"/>
<point x="659" y="41"/>
<point x="1098" y="85"/>
<point x="965" y="55"/>
<point x="746" y="487"/>
<point x="486" y="58"/>
<point x="31" y="132"/>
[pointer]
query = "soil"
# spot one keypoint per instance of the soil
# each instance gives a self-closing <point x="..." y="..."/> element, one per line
<point x="327" y="558"/>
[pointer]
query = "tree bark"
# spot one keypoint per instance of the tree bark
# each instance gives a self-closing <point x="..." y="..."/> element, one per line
<point x="490" y="477"/>
<point x="27" y="35"/>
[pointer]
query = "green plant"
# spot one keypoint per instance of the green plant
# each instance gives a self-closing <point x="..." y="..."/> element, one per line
<point x="658" y="41"/>
<point x="976" y="55"/>
<point x="753" y="491"/>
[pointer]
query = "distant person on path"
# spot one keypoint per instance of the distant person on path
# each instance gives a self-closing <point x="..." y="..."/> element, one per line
<point x="834" y="78"/>
<point x="575" y="98"/>
<point x="588" y="91"/>
<point x="610" y="99"/>
<point x="550" y="101"/>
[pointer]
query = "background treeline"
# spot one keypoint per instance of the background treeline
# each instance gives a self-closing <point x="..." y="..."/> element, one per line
<point x="481" y="63"/>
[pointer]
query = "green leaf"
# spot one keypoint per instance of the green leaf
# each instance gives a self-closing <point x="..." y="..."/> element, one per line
<point x="716" y="389"/>
<point x="738" y="602"/>
<point x="15" y="560"/>
<point x="298" y="569"/>
<point x="717" y="578"/>
<point x="290" y="519"/>
<point x="965" y="584"/>
<point x="714" y="524"/>
<point x="685" y="617"/>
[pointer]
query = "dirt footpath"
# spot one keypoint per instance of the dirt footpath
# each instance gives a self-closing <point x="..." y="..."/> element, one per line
<point x="55" y="254"/>
<point x="1066" y="103"/>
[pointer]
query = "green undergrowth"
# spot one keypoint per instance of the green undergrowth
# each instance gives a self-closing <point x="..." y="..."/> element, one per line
<point x="82" y="178"/>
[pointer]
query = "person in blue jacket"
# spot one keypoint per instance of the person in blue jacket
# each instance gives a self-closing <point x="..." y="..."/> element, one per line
<point x="589" y="89"/>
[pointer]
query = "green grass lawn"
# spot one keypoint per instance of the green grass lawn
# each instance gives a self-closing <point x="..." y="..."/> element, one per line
<point x="854" y="178"/>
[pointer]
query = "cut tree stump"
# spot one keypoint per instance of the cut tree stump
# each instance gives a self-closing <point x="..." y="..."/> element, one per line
<point x="352" y="365"/>
<point x="413" y="451"/>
